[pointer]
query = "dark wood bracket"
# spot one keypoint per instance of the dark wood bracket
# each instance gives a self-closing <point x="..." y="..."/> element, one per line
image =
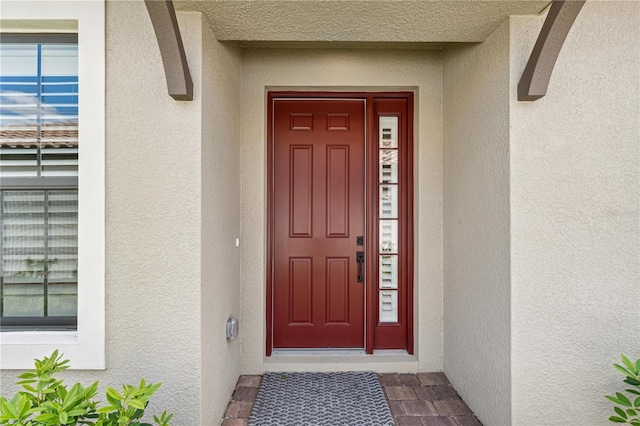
<point x="535" y="78"/>
<point x="176" y="69"/>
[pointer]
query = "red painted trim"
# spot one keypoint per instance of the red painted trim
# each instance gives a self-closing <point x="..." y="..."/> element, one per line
<point x="371" y="235"/>
<point x="270" y="227"/>
<point x="410" y="225"/>
<point x="338" y="95"/>
<point x="406" y="214"/>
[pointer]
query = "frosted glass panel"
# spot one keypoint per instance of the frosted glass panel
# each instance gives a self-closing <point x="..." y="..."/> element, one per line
<point x="23" y="300"/>
<point x="388" y="132"/>
<point x="18" y="162"/>
<point x="63" y="239"/>
<point x="63" y="300"/>
<point x="18" y="92"/>
<point x="39" y="252"/>
<point x="60" y="162"/>
<point x="388" y="272"/>
<point x="38" y="110"/>
<point x="389" y="201"/>
<point x="388" y="306"/>
<point x="388" y="166"/>
<point x="388" y="219"/>
<point x="19" y="59"/>
<point x="60" y="59"/>
<point x="388" y="236"/>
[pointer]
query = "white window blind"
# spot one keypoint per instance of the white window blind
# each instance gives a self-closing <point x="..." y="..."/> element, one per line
<point x="39" y="253"/>
<point x="38" y="172"/>
<point x="38" y="110"/>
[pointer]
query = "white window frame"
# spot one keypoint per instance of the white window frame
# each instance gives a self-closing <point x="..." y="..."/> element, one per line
<point x="85" y="347"/>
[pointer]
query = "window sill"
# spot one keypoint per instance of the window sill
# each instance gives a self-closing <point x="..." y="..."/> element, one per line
<point x="18" y="349"/>
<point x="22" y="337"/>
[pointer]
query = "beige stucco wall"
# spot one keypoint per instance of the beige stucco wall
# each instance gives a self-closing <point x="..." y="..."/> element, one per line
<point x="172" y="200"/>
<point x="172" y="177"/>
<point x="476" y="224"/>
<point x="220" y="165"/>
<point x="184" y="179"/>
<point x="343" y="70"/>
<point x="152" y="287"/>
<point x="575" y="182"/>
<point x="541" y="223"/>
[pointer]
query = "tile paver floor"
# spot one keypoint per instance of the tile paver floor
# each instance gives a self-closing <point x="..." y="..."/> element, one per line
<point x="423" y="399"/>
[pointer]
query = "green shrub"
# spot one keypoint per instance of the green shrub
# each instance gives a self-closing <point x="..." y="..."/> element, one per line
<point x="45" y="401"/>
<point x="629" y="405"/>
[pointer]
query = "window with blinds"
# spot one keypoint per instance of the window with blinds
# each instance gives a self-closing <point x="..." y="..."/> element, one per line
<point x="39" y="177"/>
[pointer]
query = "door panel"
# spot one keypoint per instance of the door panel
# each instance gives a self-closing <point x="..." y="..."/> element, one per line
<point x="318" y="210"/>
<point x="337" y="290"/>
<point x="337" y="191"/>
<point x="300" y="191"/>
<point x="300" y="290"/>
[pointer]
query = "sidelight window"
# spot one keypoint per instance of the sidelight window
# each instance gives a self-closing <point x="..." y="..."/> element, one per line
<point x="388" y="219"/>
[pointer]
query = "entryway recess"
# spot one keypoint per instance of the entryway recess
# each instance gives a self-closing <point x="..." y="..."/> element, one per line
<point x="340" y="221"/>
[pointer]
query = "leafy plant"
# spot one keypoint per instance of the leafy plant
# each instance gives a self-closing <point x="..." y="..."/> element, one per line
<point x="629" y="405"/>
<point x="45" y="401"/>
<point x="127" y="408"/>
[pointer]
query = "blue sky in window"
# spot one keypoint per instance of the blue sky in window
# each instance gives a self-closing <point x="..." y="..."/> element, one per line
<point x="38" y="83"/>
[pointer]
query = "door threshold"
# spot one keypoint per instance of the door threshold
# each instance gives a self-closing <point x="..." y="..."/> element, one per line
<point x="390" y="352"/>
<point x="318" y="352"/>
<point x="323" y="360"/>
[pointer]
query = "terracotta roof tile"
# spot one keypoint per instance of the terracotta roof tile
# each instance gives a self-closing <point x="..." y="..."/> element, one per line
<point x="50" y="136"/>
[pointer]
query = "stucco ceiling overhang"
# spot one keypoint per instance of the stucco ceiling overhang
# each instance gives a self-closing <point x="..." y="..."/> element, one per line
<point x="290" y="21"/>
<point x="391" y="21"/>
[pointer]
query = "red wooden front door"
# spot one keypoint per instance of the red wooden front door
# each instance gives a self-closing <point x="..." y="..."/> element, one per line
<point x="318" y="211"/>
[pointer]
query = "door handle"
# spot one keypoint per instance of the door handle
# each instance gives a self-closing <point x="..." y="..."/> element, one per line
<point x="360" y="260"/>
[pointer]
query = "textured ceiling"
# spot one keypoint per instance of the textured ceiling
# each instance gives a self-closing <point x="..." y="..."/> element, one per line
<point x="358" y="21"/>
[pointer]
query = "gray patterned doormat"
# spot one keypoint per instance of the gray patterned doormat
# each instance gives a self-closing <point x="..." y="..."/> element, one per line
<point x="320" y="399"/>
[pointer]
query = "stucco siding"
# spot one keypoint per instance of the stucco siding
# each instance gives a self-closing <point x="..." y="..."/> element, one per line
<point x="220" y="296"/>
<point x="153" y="215"/>
<point x="173" y="213"/>
<point x="362" y="21"/>
<point x="355" y="70"/>
<point x="153" y="219"/>
<point x="476" y="224"/>
<point x="575" y="182"/>
<point x="527" y="215"/>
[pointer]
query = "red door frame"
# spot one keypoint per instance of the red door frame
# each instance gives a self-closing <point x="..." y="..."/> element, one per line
<point x="405" y="210"/>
